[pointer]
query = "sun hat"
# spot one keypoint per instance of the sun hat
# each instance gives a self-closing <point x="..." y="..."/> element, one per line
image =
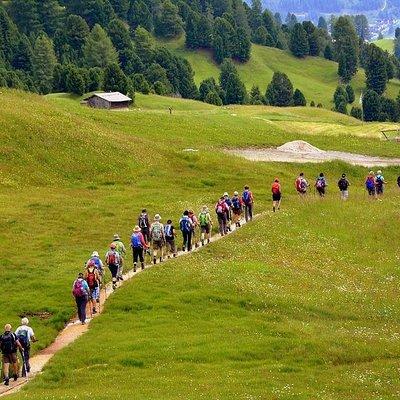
<point x="116" y="236"/>
<point x="24" y="321"/>
<point x="204" y="208"/>
<point x="137" y="229"/>
<point x="226" y="194"/>
<point x="379" y="172"/>
<point x="236" y="193"/>
<point x="95" y="254"/>
<point x="157" y="217"/>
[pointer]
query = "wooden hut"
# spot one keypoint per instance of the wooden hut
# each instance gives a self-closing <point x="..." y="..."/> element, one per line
<point x="110" y="100"/>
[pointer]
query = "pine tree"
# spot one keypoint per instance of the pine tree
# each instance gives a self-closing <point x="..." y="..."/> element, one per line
<point x="23" y="55"/>
<point x="115" y="80"/>
<point x="44" y="61"/>
<point x="235" y="91"/>
<point x="26" y="16"/>
<point x="256" y="98"/>
<point x="140" y="84"/>
<point x="298" y="41"/>
<point x="346" y="48"/>
<point x="204" y="31"/>
<point x="223" y="42"/>
<point x="75" y="82"/>
<point x="376" y="73"/>
<point x="328" y="54"/>
<point x="397" y="47"/>
<point x="206" y="86"/>
<point x="212" y="97"/>
<point x="144" y="45"/>
<point x="243" y="45"/>
<point x="95" y="79"/>
<point x="322" y="24"/>
<point x="260" y="36"/>
<point x="371" y="106"/>
<point x="298" y="99"/>
<point x="168" y="22"/>
<point x="339" y="96"/>
<point x="280" y="91"/>
<point x="50" y="15"/>
<point x="99" y="50"/>
<point x="121" y="8"/>
<point x="8" y="37"/>
<point x="192" y="37"/>
<point x="255" y="17"/>
<point x="140" y="15"/>
<point x="356" y="112"/>
<point x="350" y="94"/>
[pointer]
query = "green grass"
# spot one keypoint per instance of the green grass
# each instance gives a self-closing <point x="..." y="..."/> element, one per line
<point x="316" y="77"/>
<point x="386" y="44"/>
<point x="301" y="304"/>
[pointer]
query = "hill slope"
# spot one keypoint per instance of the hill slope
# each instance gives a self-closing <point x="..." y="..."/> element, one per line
<point x="315" y="77"/>
<point x="386" y="44"/>
<point x="285" y="299"/>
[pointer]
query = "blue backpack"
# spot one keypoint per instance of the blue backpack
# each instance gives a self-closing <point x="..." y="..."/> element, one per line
<point x="185" y="225"/>
<point x="135" y="240"/>
<point x="236" y="203"/>
<point x="370" y="184"/>
<point x="246" y="197"/>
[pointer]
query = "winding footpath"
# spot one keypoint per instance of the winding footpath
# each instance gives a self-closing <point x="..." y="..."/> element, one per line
<point x="75" y="329"/>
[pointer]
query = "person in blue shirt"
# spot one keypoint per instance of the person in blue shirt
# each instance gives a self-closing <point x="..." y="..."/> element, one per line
<point x="81" y="292"/>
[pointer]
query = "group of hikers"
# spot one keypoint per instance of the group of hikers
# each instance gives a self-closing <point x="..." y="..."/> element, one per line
<point x="10" y="343"/>
<point x="157" y="240"/>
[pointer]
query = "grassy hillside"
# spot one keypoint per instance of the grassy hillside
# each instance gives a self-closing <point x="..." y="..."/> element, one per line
<point x="285" y="307"/>
<point x="315" y="77"/>
<point x="386" y="44"/>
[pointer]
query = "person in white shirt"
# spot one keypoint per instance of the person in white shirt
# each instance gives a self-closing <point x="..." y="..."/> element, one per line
<point x="25" y="336"/>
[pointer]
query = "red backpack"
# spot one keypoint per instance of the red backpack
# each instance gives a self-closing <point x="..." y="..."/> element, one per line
<point x="112" y="258"/>
<point x="91" y="278"/>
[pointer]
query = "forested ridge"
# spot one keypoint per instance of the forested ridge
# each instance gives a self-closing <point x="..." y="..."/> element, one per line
<point x="80" y="46"/>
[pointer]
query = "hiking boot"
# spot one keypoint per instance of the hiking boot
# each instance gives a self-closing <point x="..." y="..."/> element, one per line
<point x="142" y="266"/>
<point x="208" y="240"/>
<point x="6" y="381"/>
<point x="161" y="260"/>
<point x="94" y="311"/>
<point x="273" y="209"/>
<point x="120" y="278"/>
<point x="15" y="377"/>
<point x="202" y="242"/>
<point x="134" y="267"/>
<point x="183" y="248"/>
<point x="175" y="255"/>
<point x="196" y="245"/>
<point x="114" y="286"/>
<point x="154" y="260"/>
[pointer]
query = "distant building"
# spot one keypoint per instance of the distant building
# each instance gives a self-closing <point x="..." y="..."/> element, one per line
<point x="110" y="100"/>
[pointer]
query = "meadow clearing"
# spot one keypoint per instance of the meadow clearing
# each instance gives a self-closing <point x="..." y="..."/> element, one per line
<point x="299" y="304"/>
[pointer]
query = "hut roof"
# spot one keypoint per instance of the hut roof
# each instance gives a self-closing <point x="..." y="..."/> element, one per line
<point x="112" y="97"/>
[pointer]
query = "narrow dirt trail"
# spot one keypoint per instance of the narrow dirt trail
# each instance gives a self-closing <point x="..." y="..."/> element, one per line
<point x="75" y="329"/>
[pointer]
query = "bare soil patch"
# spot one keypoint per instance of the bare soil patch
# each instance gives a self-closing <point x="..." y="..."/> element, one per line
<point x="302" y="152"/>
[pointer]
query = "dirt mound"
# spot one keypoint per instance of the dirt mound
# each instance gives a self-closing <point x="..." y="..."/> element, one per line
<point x="299" y="146"/>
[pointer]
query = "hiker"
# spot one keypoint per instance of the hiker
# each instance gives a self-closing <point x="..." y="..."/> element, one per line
<point x="228" y="202"/>
<point x="98" y="263"/>
<point x="370" y="184"/>
<point x="170" y="234"/>
<point x="248" y="201"/>
<point x="205" y="225"/>
<point x="138" y="245"/>
<point x="144" y="224"/>
<point x="301" y="185"/>
<point x="92" y="278"/>
<point x="321" y="184"/>
<point x="195" y="224"/>
<point x="120" y="247"/>
<point x="343" y="185"/>
<point x="379" y="183"/>
<point x="185" y="225"/>
<point x="157" y="238"/>
<point x="276" y="195"/>
<point x="221" y="209"/>
<point x="81" y="292"/>
<point x="9" y="345"/>
<point x="237" y="208"/>
<point x="25" y="336"/>
<point x="112" y="260"/>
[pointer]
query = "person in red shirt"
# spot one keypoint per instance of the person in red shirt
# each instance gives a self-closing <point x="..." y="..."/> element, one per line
<point x="276" y="195"/>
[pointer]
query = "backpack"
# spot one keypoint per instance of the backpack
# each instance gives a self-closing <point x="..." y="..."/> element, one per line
<point x="379" y="180"/>
<point x="8" y="345"/>
<point x="343" y="184"/>
<point x="275" y="188"/>
<point x="370" y="183"/>
<point x="246" y="197"/>
<point x="203" y="219"/>
<point x="112" y="258"/>
<point x="23" y="338"/>
<point x="156" y="232"/>
<point x="78" y="290"/>
<point x="96" y="261"/>
<point x="168" y="231"/>
<point x="136" y="242"/>
<point x="236" y="203"/>
<point x="142" y="221"/>
<point x="220" y="208"/>
<point x="91" y="279"/>
<point x="185" y="225"/>
<point x="321" y="183"/>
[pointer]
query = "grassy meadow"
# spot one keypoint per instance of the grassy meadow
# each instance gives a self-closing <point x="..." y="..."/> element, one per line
<point x="386" y="44"/>
<point x="300" y="304"/>
<point x="316" y="77"/>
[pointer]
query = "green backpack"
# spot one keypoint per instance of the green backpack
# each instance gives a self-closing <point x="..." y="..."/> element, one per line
<point x="203" y="218"/>
<point x="157" y="232"/>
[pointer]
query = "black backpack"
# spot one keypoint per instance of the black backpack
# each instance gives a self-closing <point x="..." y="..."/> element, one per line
<point x="343" y="184"/>
<point x="23" y="338"/>
<point x="8" y="343"/>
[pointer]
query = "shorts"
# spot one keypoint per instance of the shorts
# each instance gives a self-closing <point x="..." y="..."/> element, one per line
<point x="205" y="228"/>
<point x="171" y="246"/>
<point x="10" y="358"/>
<point x="94" y="293"/>
<point x="157" y="244"/>
<point x="276" y="196"/>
